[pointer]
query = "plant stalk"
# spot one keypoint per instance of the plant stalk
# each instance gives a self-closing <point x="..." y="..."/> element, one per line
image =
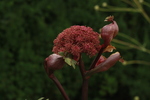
<point x="58" y="84"/>
<point x="85" y="80"/>
<point x="97" y="57"/>
<point x="85" y="89"/>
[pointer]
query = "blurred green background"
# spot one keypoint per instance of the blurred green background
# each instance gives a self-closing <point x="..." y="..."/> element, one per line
<point x="27" y="31"/>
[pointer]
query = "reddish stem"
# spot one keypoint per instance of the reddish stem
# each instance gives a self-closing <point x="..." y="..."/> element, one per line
<point x="97" y="57"/>
<point x="85" y="80"/>
<point x="58" y="84"/>
<point x="82" y="68"/>
<point x="85" y="89"/>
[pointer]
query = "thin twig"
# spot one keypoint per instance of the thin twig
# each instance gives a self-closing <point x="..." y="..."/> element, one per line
<point x="137" y="8"/>
<point x="130" y="39"/>
<point x="131" y="45"/>
<point x="129" y="2"/>
<point x="142" y="10"/>
<point x="136" y="62"/>
<point x="118" y="9"/>
<point x="146" y="4"/>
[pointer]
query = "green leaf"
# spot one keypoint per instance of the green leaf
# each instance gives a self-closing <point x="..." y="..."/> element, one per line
<point x="70" y="62"/>
<point x="61" y="53"/>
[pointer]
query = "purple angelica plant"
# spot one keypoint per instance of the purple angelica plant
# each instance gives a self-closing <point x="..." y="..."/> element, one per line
<point x="72" y="42"/>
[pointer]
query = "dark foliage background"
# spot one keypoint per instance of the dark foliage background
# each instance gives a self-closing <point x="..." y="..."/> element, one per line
<point x="27" y="31"/>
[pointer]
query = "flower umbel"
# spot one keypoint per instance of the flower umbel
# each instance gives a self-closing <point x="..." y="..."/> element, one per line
<point x="76" y="40"/>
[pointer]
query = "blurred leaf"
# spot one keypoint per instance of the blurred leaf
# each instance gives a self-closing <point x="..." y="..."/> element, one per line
<point x="71" y="62"/>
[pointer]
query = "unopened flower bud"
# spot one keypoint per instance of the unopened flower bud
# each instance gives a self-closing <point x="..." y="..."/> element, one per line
<point x="104" y="64"/>
<point x="100" y="60"/>
<point x="108" y="32"/>
<point x="53" y="62"/>
<point x="109" y="62"/>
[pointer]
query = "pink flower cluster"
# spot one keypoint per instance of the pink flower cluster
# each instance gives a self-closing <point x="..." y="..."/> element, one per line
<point x="76" y="40"/>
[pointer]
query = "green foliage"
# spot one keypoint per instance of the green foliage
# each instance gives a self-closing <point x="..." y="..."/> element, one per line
<point x="68" y="60"/>
<point x="27" y="31"/>
<point x="71" y="62"/>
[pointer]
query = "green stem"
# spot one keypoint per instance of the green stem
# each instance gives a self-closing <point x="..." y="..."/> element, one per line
<point x="142" y="10"/>
<point x="118" y="9"/>
<point x="138" y="4"/>
<point x="130" y="39"/>
<point x="58" y="84"/>
<point x="131" y="45"/>
<point x="145" y="15"/>
<point x="137" y="8"/>
<point x="136" y="62"/>
<point x="146" y="3"/>
<point x="125" y="43"/>
<point x="129" y="2"/>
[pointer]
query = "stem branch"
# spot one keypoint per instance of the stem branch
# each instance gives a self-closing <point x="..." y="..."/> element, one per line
<point x="118" y="9"/>
<point x="136" y="62"/>
<point x="58" y="84"/>
<point x="131" y="45"/>
<point x="97" y="57"/>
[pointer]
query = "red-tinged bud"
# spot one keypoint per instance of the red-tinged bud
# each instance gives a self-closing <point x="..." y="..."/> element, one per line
<point x="53" y="62"/>
<point x="108" y="32"/>
<point x="105" y="64"/>
<point x="100" y="60"/>
<point x="109" y="62"/>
